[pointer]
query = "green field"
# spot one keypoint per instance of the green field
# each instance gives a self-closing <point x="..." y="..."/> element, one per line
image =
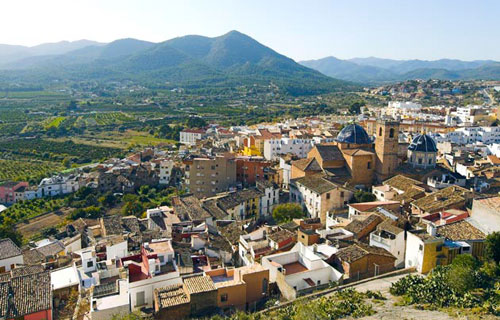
<point x="56" y="150"/>
<point x="27" y="170"/>
<point x="54" y="122"/>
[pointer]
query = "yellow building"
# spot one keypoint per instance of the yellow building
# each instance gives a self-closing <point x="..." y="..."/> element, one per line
<point x="251" y="151"/>
<point x="240" y="288"/>
<point x="423" y="251"/>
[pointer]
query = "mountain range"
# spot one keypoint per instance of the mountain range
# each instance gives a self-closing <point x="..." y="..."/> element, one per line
<point x="191" y="61"/>
<point x="230" y="60"/>
<point x="376" y="70"/>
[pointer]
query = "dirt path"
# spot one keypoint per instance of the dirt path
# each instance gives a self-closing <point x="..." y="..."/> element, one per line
<point x="386" y="309"/>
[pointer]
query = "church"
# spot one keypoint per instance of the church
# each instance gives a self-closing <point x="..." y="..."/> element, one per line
<point x="355" y="158"/>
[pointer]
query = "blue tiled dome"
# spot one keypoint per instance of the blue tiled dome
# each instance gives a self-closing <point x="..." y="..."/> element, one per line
<point x="354" y="133"/>
<point x="423" y="143"/>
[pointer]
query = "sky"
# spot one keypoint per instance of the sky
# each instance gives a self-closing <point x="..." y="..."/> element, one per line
<point x="307" y="29"/>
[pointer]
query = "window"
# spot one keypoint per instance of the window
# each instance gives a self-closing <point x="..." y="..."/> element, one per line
<point x="419" y="160"/>
<point x="420" y="247"/>
<point x="223" y="297"/>
<point x="391" y="133"/>
<point x="369" y="165"/>
<point x="380" y="131"/>
<point x="439" y="248"/>
<point x="328" y="195"/>
<point x="341" y="194"/>
<point x="319" y="282"/>
<point x="265" y="283"/>
<point x="90" y="264"/>
<point x="430" y="161"/>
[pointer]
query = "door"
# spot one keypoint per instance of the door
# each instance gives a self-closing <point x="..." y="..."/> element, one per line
<point x="139" y="299"/>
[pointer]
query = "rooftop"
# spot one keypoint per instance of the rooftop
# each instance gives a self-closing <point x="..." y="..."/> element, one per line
<point x="8" y="249"/>
<point x="370" y="206"/>
<point x="357" y="251"/>
<point x="317" y="183"/>
<point x="281" y="235"/>
<point x="441" y="199"/>
<point x="29" y="294"/>
<point x="170" y="296"/>
<point x="401" y="182"/>
<point x="358" y="225"/>
<point x="199" y="284"/>
<point x="460" y="230"/>
<point x="423" y="143"/>
<point x="493" y="202"/>
<point x="294" y="267"/>
<point x="354" y="133"/>
<point x="308" y="164"/>
<point x="329" y="152"/>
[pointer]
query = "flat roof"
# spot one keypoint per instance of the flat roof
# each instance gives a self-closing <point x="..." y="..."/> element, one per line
<point x="63" y="278"/>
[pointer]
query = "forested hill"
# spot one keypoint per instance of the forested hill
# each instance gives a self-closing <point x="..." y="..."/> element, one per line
<point x="232" y="59"/>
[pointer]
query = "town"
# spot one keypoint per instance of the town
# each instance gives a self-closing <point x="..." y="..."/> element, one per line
<point x="263" y="214"/>
<point x="249" y="160"/>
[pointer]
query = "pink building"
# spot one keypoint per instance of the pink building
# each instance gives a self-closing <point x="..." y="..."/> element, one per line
<point x="8" y="191"/>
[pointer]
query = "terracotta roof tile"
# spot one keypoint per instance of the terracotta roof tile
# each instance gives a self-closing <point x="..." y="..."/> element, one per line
<point x="170" y="296"/>
<point x="8" y="249"/>
<point x="460" y="230"/>
<point x="199" y="284"/>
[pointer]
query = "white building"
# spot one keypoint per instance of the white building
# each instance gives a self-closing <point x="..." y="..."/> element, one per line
<point x="470" y="115"/>
<point x="270" y="198"/>
<point x="10" y="255"/>
<point x="472" y="135"/>
<point x="116" y="249"/>
<point x="64" y="278"/>
<point x="251" y="243"/>
<point x="286" y="168"/>
<point x="190" y="136"/>
<point x="58" y="185"/>
<point x="300" y="269"/>
<point x="109" y="300"/>
<point x="421" y="250"/>
<point x="166" y="171"/>
<point x="398" y="109"/>
<point x="392" y="239"/>
<point x="273" y="148"/>
<point x="156" y="268"/>
<point x="318" y="195"/>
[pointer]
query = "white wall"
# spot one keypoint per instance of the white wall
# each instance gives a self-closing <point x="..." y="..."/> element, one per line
<point x="414" y="256"/>
<point x="148" y="285"/>
<point x="10" y="261"/>
<point x="119" y="250"/>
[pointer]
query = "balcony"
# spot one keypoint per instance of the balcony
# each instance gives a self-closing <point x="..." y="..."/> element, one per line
<point x="380" y="242"/>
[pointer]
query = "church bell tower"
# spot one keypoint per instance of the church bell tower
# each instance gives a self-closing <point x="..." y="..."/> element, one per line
<point x="386" y="149"/>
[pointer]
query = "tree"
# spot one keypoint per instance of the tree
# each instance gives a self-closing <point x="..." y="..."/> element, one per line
<point x="493" y="246"/>
<point x="196" y="122"/>
<point x="355" y="108"/>
<point x="8" y="230"/>
<point x="287" y="211"/>
<point x="462" y="275"/>
<point x="364" y="196"/>
<point x="66" y="162"/>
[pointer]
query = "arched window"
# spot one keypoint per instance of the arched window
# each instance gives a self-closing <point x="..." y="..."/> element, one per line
<point x="391" y="133"/>
<point x="380" y="131"/>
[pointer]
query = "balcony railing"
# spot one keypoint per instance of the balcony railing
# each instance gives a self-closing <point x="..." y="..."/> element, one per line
<point x="383" y="241"/>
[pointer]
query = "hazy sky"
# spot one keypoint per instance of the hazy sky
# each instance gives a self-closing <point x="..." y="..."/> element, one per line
<point x="307" y="29"/>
